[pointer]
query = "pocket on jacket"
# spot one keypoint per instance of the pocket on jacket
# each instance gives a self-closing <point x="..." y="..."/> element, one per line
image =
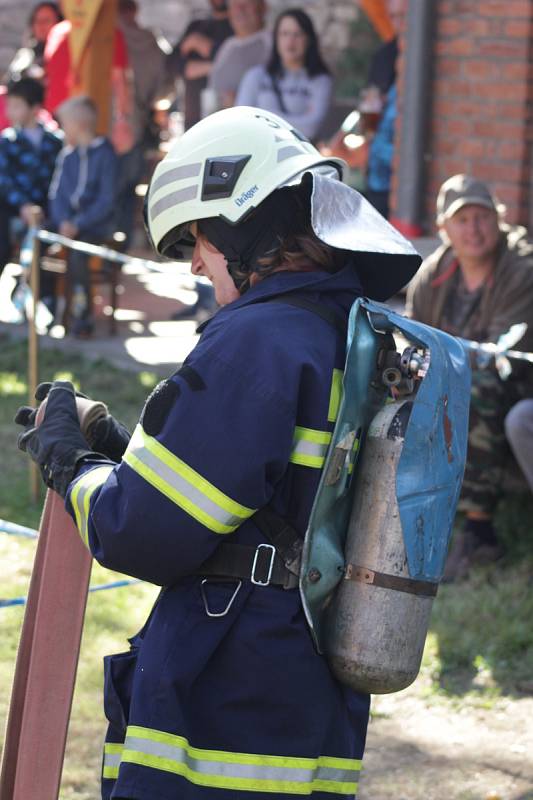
<point x="119" y="670"/>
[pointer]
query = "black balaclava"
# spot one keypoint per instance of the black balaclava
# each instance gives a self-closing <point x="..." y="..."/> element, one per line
<point x="256" y="236"/>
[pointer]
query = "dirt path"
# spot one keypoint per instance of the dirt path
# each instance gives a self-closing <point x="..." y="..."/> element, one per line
<point x="431" y="748"/>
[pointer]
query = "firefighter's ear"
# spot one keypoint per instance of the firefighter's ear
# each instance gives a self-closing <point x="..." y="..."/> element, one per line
<point x="158" y="406"/>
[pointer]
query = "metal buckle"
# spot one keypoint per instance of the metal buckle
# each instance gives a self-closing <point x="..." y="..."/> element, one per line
<point x="270" y="568"/>
<point x="206" y="604"/>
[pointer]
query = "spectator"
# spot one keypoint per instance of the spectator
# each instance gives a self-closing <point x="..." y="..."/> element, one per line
<point x="519" y="432"/>
<point x="192" y="57"/>
<point x="374" y="146"/>
<point x="82" y="198"/>
<point x="296" y="82"/>
<point x="250" y="45"/>
<point x="147" y="64"/>
<point x="28" y="153"/>
<point x="476" y="285"/>
<point x="28" y="61"/>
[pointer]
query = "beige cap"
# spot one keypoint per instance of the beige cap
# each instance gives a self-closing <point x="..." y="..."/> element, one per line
<point x="462" y="190"/>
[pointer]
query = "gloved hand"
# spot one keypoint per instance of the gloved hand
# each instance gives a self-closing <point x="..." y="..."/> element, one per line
<point x="57" y="445"/>
<point x="110" y="437"/>
<point x="107" y="435"/>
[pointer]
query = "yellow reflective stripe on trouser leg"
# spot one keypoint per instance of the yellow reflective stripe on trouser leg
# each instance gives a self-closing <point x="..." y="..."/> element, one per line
<point x="310" y="447"/>
<point x="335" y="395"/>
<point x="247" y="772"/>
<point x="81" y="494"/>
<point x="183" y="485"/>
<point x="112" y="756"/>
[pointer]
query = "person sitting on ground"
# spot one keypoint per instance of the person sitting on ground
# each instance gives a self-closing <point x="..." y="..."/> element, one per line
<point x="28" y="153"/>
<point x="250" y="45"/>
<point x="296" y="82"/>
<point x="476" y="285"/>
<point x="82" y="198"/>
<point x="192" y="57"/>
<point x="519" y="432"/>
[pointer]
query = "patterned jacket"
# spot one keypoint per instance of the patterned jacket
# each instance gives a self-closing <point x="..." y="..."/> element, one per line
<point x="25" y="170"/>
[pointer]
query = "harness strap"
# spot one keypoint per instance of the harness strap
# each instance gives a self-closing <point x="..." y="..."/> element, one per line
<point x="261" y="565"/>
<point x="277" y="563"/>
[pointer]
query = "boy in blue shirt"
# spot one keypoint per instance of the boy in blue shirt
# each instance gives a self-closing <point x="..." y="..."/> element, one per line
<point x="28" y="152"/>
<point x="82" y="197"/>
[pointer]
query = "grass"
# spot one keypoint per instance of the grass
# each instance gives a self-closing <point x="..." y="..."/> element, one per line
<point x="480" y="645"/>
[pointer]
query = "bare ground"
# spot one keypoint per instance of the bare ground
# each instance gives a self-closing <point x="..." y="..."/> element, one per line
<point x="433" y="748"/>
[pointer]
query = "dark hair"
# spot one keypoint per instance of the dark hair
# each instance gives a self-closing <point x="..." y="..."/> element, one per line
<point x="35" y="9"/>
<point x="28" y="89"/>
<point x="314" y="63"/>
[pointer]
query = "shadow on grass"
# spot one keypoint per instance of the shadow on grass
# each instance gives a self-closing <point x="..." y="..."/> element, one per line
<point x="482" y="626"/>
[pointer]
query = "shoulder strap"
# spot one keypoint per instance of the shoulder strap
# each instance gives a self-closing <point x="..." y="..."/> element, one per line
<point x="335" y="319"/>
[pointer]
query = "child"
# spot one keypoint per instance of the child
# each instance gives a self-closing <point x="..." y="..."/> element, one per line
<point x="82" y="197"/>
<point x="28" y="152"/>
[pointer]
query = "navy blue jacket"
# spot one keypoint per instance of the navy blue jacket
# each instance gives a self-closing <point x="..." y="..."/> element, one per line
<point x="83" y="188"/>
<point x="25" y="170"/>
<point x="240" y="705"/>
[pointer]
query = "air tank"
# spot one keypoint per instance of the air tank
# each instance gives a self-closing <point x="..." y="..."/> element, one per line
<point x="379" y="616"/>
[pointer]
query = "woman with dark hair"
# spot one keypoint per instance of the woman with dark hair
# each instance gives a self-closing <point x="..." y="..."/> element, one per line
<point x="296" y="82"/>
<point x="28" y="61"/>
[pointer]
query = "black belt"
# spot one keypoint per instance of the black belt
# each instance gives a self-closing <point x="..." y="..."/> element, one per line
<point x="261" y="565"/>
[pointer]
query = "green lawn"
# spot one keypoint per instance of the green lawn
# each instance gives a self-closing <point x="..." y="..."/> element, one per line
<point x="480" y="644"/>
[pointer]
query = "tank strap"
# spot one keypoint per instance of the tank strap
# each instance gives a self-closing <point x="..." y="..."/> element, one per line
<point x="394" y="582"/>
<point x="334" y="318"/>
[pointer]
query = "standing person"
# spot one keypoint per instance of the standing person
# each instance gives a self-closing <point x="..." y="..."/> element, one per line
<point x="296" y="82"/>
<point x="192" y="57"/>
<point x="476" y="285"/>
<point x="29" y="60"/>
<point x="28" y="153"/>
<point x="222" y="694"/>
<point x="146" y="61"/>
<point x="82" y="198"/>
<point x="250" y="45"/>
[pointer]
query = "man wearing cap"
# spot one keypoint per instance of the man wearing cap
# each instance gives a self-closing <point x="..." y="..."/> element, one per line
<point x="476" y="285"/>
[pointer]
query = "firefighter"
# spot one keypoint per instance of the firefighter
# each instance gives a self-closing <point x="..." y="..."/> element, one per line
<point x="222" y="694"/>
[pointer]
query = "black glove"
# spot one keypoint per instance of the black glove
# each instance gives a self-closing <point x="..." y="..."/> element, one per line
<point x="110" y="437"/>
<point x="57" y="445"/>
<point x="107" y="435"/>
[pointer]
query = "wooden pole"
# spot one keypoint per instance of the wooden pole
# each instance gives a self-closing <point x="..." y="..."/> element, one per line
<point x="96" y="67"/>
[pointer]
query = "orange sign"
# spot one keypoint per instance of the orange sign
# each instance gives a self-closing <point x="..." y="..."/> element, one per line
<point x="82" y="15"/>
<point x="377" y="13"/>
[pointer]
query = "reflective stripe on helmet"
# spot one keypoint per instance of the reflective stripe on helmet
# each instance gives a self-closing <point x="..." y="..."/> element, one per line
<point x="183" y="485"/>
<point x="173" y="199"/>
<point x="310" y="447"/>
<point x="176" y="174"/>
<point x="81" y="494"/>
<point x="238" y="771"/>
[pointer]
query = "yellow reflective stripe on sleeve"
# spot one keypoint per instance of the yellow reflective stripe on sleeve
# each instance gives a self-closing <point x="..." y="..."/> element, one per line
<point x="183" y="485"/>
<point x="310" y="447"/>
<point x="81" y="494"/>
<point x="335" y="395"/>
<point x="239" y="771"/>
<point x="112" y="758"/>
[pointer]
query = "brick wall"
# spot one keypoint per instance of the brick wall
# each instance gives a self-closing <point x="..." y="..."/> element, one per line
<point x="481" y="99"/>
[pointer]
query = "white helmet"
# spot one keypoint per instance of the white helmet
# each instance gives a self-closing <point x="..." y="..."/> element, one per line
<point x="225" y="166"/>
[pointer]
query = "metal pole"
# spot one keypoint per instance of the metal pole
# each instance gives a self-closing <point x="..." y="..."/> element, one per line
<point x="413" y="153"/>
<point x="33" y="353"/>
